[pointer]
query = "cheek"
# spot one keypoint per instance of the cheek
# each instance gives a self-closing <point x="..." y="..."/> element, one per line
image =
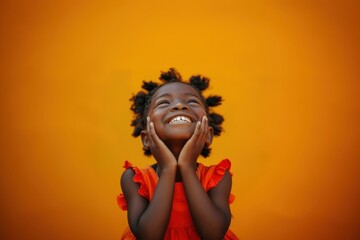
<point x="155" y="117"/>
<point x="201" y="112"/>
<point x="154" y="114"/>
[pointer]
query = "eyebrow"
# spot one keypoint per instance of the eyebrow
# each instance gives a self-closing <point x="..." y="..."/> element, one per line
<point x="169" y="95"/>
<point x="192" y="94"/>
<point x="163" y="95"/>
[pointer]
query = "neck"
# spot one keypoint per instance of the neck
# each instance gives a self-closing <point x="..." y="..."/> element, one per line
<point x="176" y="148"/>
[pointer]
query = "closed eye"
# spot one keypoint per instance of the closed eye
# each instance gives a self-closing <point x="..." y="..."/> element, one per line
<point x="162" y="103"/>
<point x="193" y="101"/>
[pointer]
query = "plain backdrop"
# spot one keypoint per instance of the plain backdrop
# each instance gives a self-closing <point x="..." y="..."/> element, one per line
<point x="289" y="75"/>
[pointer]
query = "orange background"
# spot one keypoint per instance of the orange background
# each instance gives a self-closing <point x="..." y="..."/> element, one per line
<point x="288" y="71"/>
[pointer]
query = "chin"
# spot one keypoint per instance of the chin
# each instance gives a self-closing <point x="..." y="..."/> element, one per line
<point x="183" y="137"/>
<point x="176" y="136"/>
<point x="177" y="133"/>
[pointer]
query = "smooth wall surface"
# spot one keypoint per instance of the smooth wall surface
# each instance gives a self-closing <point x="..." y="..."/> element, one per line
<point x="289" y="74"/>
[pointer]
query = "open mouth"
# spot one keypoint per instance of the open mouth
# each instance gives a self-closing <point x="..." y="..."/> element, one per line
<point x="180" y="119"/>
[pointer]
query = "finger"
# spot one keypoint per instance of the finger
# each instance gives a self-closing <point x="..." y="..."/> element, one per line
<point x="203" y="130"/>
<point x="204" y="124"/>
<point x="152" y="130"/>
<point x="196" y="133"/>
<point x="154" y="135"/>
<point x="197" y="130"/>
<point x="195" y="142"/>
<point x="149" y="130"/>
<point x="154" y="139"/>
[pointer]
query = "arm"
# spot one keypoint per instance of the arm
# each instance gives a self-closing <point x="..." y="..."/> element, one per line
<point x="210" y="211"/>
<point x="150" y="220"/>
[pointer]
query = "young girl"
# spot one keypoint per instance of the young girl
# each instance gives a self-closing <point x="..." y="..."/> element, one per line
<point x="176" y="198"/>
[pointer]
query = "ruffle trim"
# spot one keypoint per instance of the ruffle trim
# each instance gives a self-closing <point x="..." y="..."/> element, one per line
<point x="138" y="178"/>
<point x="179" y="233"/>
<point x="218" y="174"/>
<point x="216" y="177"/>
<point x="121" y="202"/>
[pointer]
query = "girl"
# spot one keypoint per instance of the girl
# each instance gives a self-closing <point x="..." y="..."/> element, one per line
<point x="176" y="198"/>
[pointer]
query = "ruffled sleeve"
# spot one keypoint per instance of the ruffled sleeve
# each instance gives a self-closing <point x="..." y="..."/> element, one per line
<point x="214" y="174"/>
<point x="138" y="178"/>
<point x="218" y="173"/>
<point x="121" y="202"/>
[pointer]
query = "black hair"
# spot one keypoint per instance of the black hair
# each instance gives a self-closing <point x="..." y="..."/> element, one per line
<point x="141" y="102"/>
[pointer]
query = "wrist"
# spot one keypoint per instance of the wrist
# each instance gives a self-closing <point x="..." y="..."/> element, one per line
<point x="167" y="168"/>
<point x="188" y="167"/>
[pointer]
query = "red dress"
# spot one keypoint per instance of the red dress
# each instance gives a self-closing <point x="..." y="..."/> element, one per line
<point x="180" y="224"/>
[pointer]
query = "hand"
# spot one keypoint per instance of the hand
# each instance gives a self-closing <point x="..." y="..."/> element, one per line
<point x="193" y="147"/>
<point x="159" y="150"/>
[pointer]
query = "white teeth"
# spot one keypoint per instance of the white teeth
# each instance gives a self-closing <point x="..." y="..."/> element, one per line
<point x="180" y="119"/>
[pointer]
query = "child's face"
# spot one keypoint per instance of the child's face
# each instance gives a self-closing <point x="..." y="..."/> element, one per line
<point x="175" y="109"/>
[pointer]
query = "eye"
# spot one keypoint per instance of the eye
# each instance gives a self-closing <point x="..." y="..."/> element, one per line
<point x="194" y="101"/>
<point x="162" y="103"/>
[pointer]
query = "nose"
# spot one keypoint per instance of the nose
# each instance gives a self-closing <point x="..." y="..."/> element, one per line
<point x="180" y="106"/>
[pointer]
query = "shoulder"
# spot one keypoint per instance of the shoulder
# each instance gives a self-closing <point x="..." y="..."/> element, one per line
<point x="225" y="182"/>
<point x="219" y="168"/>
<point x="126" y="180"/>
<point x="130" y="172"/>
<point x="221" y="178"/>
<point x="222" y="175"/>
<point x="127" y="175"/>
<point x="221" y="192"/>
<point x="140" y="181"/>
<point x="211" y="176"/>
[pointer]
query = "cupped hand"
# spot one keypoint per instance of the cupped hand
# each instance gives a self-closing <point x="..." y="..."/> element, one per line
<point x="159" y="150"/>
<point x="193" y="147"/>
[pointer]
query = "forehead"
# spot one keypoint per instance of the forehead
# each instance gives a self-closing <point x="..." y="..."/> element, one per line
<point x="176" y="89"/>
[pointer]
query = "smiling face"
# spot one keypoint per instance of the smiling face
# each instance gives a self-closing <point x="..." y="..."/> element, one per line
<point x="175" y="109"/>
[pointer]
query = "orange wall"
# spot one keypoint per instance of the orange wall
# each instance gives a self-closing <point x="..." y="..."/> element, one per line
<point x="288" y="71"/>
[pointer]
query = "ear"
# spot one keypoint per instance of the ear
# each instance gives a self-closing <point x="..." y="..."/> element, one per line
<point x="209" y="136"/>
<point x="145" y="139"/>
